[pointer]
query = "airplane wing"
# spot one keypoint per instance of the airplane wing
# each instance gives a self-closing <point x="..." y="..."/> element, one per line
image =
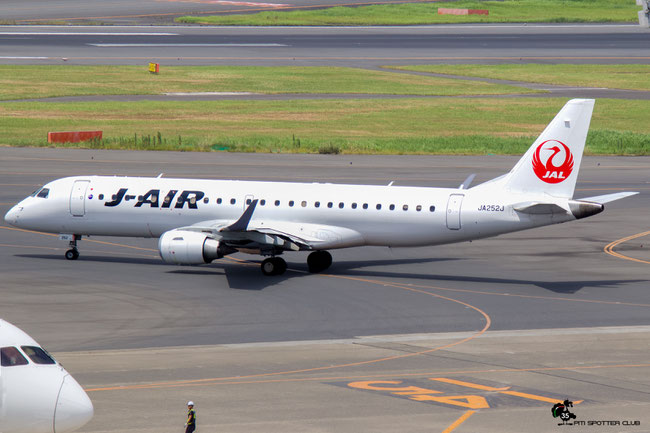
<point x="257" y="235"/>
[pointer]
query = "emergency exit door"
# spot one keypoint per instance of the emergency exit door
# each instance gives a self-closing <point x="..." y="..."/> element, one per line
<point x="78" y="197"/>
<point x="453" y="211"/>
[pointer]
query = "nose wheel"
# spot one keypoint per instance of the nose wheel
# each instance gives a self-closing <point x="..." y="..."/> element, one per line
<point x="274" y="266"/>
<point x="73" y="252"/>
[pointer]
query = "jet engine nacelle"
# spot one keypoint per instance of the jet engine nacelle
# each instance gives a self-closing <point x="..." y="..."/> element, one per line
<point x="184" y="247"/>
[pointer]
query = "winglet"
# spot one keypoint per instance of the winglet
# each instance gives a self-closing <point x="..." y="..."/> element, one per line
<point x="242" y="223"/>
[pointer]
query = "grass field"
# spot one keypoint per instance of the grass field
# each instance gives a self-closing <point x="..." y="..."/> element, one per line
<point x="23" y="82"/>
<point x="402" y="126"/>
<point x="635" y="77"/>
<point x="557" y="11"/>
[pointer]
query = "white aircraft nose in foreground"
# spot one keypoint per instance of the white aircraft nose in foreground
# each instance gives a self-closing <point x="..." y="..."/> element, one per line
<point x="199" y="221"/>
<point x="37" y="395"/>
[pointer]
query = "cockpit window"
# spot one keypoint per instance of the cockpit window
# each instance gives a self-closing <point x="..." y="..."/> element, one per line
<point x="11" y="356"/>
<point x="38" y="355"/>
<point x="41" y="192"/>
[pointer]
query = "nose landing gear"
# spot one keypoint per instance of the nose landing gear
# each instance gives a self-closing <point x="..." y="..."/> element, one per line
<point x="73" y="252"/>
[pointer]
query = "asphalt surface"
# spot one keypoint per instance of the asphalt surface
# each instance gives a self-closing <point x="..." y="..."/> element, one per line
<point x="142" y="11"/>
<point x="279" y="354"/>
<point x="348" y="46"/>
<point x="127" y="298"/>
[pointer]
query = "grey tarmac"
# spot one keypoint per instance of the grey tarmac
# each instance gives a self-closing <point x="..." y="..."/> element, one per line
<point x="503" y="325"/>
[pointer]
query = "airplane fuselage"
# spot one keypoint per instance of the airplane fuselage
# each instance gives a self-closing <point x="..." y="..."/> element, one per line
<point x="359" y="214"/>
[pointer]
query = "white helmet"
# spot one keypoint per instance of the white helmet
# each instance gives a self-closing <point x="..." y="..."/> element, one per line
<point x="190" y="403"/>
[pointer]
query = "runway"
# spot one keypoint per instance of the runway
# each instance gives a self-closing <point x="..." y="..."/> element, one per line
<point x="347" y="46"/>
<point x="548" y="313"/>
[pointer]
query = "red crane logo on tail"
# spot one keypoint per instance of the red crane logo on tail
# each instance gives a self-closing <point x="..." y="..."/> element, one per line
<point x="551" y="152"/>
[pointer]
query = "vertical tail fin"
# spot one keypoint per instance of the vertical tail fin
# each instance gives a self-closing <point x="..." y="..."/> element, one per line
<point x="552" y="163"/>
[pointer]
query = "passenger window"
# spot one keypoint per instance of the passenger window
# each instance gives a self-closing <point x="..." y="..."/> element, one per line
<point x="341" y="205"/>
<point x="219" y="200"/>
<point x="38" y="355"/>
<point x="277" y="202"/>
<point x="262" y="202"/>
<point x="405" y="207"/>
<point x="418" y="207"/>
<point x="354" y="205"/>
<point x="303" y="204"/>
<point x="233" y="201"/>
<point x="391" y="207"/>
<point x="290" y="203"/>
<point x="330" y="204"/>
<point x="43" y="193"/>
<point x="432" y="208"/>
<point x="205" y="200"/>
<point x="11" y="356"/>
<point x="101" y="196"/>
<point x="317" y="204"/>
<point x="365" y="205"/>
<point x="248" y="201"/>
<point x="378" y="207"/>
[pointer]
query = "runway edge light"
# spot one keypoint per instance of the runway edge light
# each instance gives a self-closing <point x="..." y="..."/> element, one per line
<point x="154" y="68"/>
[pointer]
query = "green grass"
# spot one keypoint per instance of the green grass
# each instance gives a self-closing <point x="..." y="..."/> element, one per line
<point x="23" y="82"/>
<point x="557" y="11"/>
<point x="389" y="126"/>
<point x="635" y="77"/>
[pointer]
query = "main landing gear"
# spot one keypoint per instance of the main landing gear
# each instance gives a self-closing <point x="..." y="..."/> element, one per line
<point x="73" y="252"/>
<point x="274" y="266"/>
<point x="317" y="261"/>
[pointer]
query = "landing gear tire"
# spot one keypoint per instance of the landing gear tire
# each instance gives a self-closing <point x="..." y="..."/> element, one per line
<point x="318" y="261"/>
<point x="72" y="254"/>
<point x="274" y="266"/>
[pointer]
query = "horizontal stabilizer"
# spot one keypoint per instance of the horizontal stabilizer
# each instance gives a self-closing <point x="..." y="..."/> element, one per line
<point x="602" y="199"/>
<point x="537" y="208"/>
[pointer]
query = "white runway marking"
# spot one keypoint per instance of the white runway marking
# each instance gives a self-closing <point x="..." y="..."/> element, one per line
<point x="84" y="34"/>
<point x="22" y="58"/>
<point x="187" y="45"/>
<point x="254" y="4"/>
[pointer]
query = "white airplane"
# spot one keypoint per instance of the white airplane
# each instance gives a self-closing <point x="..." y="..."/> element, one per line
<point x="199" y="221"/>
<point x="37" y="395"/>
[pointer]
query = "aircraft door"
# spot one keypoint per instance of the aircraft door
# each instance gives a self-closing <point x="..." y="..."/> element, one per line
<point x="453" y="211"/>
<point x="78" y="197"/>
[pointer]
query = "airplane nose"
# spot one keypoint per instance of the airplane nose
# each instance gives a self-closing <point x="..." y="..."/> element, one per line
<point x="73" y="407"/>
<point x="12" y="215"/>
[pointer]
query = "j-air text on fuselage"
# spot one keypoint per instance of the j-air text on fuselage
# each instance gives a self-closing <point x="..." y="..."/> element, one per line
<point x="198" y="221"/>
